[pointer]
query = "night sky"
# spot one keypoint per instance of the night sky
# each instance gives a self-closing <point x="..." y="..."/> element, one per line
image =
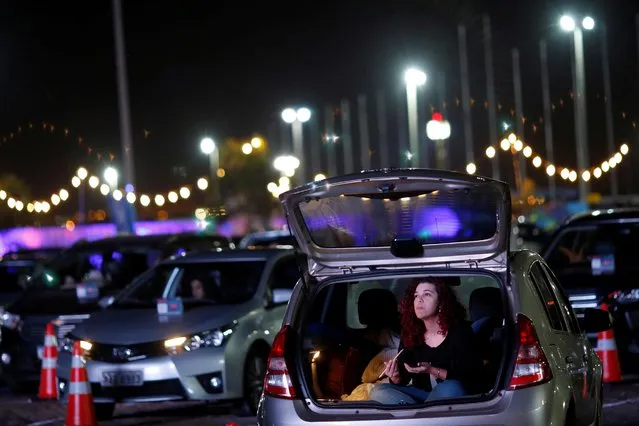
<point x="227" y="68"/>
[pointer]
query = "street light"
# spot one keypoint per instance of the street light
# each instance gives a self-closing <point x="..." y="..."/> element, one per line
<point x="296" y="118"/>
<point x="208" y="147"/>
<point x="569" y="24"/>
<point x="438" y="130"/>
<point x="413" y="78"/>
<point x="286" y="165"/>
<point x="111" y="177"/>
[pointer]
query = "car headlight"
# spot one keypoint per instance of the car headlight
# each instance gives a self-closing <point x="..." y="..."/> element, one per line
<point x="205" y="339"/>
<point x="9" y="320"/>
<point x="66" y="345"/>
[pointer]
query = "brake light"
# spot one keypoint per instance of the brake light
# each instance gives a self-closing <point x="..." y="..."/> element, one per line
<point x="531" y="366"/>
<point x="277" y="382"/>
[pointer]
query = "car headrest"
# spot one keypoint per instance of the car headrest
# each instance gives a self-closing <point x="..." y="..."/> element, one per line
<point x="378" y="308"/>
<point x="485" y="302"/>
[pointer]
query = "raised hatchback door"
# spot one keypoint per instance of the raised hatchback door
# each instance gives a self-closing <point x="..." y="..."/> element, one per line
<point x="400" y="218"/>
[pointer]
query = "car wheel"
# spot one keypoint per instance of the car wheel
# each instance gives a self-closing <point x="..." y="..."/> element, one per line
<point x="254" y="372"/>
<point x="104" y="411"/>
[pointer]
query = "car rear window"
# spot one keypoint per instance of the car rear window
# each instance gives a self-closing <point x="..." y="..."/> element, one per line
<point x="434" y="218"/>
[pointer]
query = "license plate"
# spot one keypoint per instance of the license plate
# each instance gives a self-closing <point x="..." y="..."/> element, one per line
<point x="121" y="378"/>
<point x="40" y="352"/>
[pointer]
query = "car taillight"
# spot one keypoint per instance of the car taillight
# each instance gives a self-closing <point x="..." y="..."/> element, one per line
<point x="277" y="382"/>
<point x="531" y="366"/>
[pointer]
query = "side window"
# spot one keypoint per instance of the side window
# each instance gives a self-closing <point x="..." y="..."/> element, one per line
<point x="564" y="303"/>
<point x="547" y="297"/>
<point x="285" y="274"/>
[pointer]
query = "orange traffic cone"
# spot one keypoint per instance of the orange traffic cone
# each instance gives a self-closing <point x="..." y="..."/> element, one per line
<point x="48" y="376"/>
<point x="80" y="409"/>
<point x="607" y="352"/>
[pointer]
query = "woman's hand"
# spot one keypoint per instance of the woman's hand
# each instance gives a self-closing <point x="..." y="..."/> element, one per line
<point x="421" y="368"/>
<point x="392" y="371"/>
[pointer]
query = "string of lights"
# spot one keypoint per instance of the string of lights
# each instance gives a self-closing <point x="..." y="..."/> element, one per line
<point x="82" y="176"/>
<point x="514" y="144"/>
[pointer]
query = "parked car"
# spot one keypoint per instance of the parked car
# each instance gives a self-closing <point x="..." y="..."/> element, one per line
<point x="215" y="350"/>
<point x="380" y="230"/>
<point x="53" y="293"/>
<point x="593" y="255"/>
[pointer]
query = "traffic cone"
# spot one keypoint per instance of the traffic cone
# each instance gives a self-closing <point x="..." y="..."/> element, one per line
<point x="607" y="352"/>
<point x="80" y="409"/>
<point x="48" y="377"/>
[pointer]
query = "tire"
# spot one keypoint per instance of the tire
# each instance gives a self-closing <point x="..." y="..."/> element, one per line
<point x="104" y="411"/>
<point x="254" y="372"/>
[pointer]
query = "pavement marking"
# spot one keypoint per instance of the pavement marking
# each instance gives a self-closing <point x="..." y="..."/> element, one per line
<point x="617" y="403"/>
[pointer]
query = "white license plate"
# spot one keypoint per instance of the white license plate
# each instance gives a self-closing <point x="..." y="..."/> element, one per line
<point x="40" y="352"/>
<point x="122" y="378"/>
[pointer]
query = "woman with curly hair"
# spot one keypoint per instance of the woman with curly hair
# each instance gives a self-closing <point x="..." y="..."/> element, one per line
<point x="439" y="358"/>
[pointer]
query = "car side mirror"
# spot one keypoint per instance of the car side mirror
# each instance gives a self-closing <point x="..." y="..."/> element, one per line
<point x="596" y="320"/>
<point x="106" y="301"/>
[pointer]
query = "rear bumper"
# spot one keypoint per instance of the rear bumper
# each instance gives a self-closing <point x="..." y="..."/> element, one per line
<point x="536" y="406"/>
<point x="188" y="376"/>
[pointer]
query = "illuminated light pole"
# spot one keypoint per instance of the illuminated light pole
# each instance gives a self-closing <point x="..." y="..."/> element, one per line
<point x="413" y="79"/>
<point x="438" y="130"/>
<point x="209" y="148"/>
<point x="297" y="118"/>
<point x="568" y="24"/>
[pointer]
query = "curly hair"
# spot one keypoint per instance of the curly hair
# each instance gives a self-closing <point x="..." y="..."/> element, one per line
<point x="452" y="311"/>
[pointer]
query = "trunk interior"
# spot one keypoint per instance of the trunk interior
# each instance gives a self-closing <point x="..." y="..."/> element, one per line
<point x="352" y="326"/>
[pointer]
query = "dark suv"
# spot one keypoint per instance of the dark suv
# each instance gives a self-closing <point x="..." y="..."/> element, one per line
<point x="594" y="256"/>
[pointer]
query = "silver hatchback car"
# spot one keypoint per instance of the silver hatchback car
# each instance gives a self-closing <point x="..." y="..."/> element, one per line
<point x="370" y="239"/>
<point x="213" y="349"/>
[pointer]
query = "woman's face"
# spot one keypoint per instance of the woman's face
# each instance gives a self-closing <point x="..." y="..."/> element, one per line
<point x="426" y="301"/>
<point x="197" y="289"/>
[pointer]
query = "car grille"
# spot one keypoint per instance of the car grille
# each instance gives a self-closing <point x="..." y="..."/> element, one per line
<point x="171" y="387"/>
<point x="125" y="353"/>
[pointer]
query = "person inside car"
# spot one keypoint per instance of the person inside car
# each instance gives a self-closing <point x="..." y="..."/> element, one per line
<point x="197" y="289"/>
<point x="438" y="356"/>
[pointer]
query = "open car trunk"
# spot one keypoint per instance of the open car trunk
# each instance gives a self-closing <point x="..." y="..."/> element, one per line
<point x="351" y="325"/>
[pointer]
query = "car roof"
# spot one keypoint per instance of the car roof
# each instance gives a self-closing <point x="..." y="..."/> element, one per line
<point x="264" y="254"/>
<point x="120" y="240"/>
<point x="137" y="240"/>
<point x="603" y="215"/>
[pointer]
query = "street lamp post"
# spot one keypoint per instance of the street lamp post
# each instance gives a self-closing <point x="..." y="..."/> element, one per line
<point x="413" y="78"/>
<point x="297" y="118"/>
<point x="111" y="177"/>
<point x="568" y="24"/>
<point x="438" y="130"/>
<point x="209" y="148"/>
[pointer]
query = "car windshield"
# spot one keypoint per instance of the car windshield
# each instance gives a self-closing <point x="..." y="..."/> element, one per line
<point x="222" y="282"/>
<point x="109" y="267"/>
<point x="375" y="220"/>
<point x="595" y="253"/>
